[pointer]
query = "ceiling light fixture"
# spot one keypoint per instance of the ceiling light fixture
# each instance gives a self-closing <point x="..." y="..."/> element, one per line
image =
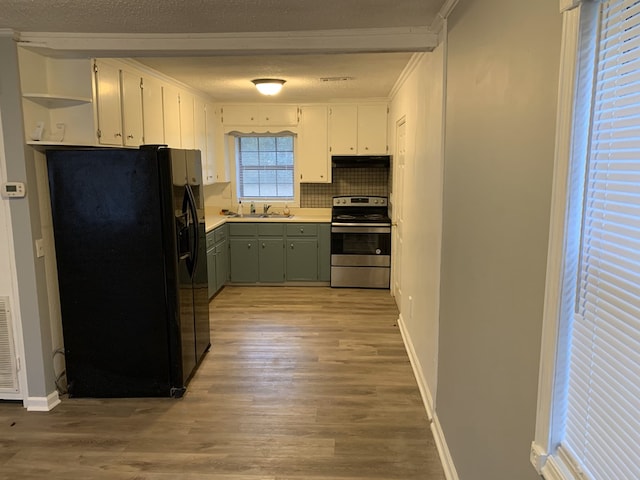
<point x="268" y="86"/>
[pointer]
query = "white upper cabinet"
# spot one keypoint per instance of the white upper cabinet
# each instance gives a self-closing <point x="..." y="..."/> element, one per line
<point x="216" y="145"/>
<point x="118" y="105"/>
<point x="358" y="129"/>
<point x="108" y="103"/>
<point x="343" y="129"/>
<point x="372" y="129"/>
<point x="200" y="133"/>
<point x="187" y="134"/>
<point x="312" y="153"/>
<point x="171" y="114"/>
<point x="260" y="115"/>
<point x="152" y="111"/>
<point x="131" y="108"/>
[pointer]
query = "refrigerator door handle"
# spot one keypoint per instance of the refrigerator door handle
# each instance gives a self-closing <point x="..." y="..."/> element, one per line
<point x="194" y="223"/>
<point x="185" y="240"/>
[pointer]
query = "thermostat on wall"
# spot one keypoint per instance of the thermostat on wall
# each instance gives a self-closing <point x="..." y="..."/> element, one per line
<point x="13" y="190"/>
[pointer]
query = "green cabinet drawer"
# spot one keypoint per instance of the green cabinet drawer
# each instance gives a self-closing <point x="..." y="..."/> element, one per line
<point x="211" y="239"/>
<point x="271" y="229"/>
<point x="302" y="229"/>
<point x="243" y="229"/>
<point x="220" y="233"/>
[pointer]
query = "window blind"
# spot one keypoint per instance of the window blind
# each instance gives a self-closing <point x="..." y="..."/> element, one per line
<point x="265" y="166"/>
<point x="602" y="424"/>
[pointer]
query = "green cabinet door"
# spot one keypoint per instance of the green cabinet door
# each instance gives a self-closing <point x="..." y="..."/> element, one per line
<point x="222" y="264"/>
<point x="243" y="260"/>
<point x="211" y="271"/>
<point x="271" y="260"/>
<point x="324" y="252"/>
<point x="302" y="259"/>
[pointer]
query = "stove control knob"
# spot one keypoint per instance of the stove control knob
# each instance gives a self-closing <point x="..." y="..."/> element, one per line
<point x="375" y="201"/>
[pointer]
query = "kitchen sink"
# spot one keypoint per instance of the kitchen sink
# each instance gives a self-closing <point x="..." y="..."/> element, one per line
<point x="261" y="215"/>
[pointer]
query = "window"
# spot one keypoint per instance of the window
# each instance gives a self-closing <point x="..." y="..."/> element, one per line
<point x="590" y="428"/>
<point x="265" y="167"/>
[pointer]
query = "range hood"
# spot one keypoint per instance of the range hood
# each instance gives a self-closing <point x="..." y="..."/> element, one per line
<point x="360" y="161"/>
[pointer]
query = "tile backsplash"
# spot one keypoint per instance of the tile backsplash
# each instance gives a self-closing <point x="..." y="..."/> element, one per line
<point x="346" y="181"/>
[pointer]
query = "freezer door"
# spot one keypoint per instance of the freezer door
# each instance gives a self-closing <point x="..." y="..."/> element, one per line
<point x="112" y="271"/>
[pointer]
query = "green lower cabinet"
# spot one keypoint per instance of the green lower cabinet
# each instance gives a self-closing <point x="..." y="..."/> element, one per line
<point x="278" y="252"/>
<point x="217" y="259"/>
<point x="211" y="271"/>
<point x="324" y="252"/>
<point x="243" y="259"/>
<point x="271" y="264"/>
<point x="222" y="264"/>
<point x="302" y="259"/>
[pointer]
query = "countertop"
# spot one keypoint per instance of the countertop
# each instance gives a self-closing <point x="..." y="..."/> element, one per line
<point x="309" y="215"/>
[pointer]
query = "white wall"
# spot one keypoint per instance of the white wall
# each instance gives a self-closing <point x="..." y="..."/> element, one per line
<point x="419" y="101"/>
<point x="7" y="270"/>
<point x="502" y="78"/>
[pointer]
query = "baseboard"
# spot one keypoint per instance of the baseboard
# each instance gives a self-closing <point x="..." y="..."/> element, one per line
<point x="427" y="399"/>
<point x="42" y="404"/>
<point x="450" y="471"/>
<point x="425" y="393"/>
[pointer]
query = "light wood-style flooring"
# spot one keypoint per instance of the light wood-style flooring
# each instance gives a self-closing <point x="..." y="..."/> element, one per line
<point x="301" y="383"/>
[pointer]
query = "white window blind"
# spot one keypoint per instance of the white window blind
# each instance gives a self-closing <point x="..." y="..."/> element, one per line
<point x="602" y="423"/>
<point x="265" y="166"/>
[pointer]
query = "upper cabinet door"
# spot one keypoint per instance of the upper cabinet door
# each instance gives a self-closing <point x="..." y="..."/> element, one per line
<point x="372" y="129"/>
<point x="152" y="111"/>
<point x="312" y="152"/>
<point x="171" y="111"/>
<point x="240" y="115"/>
<point x="260" y="115"/>
<point x="108" y="104"/>
<point x="187" y="134"/>
<point x="343" y="130"/>
<point x="284" y="115"/>
<point x="132" y="109"/>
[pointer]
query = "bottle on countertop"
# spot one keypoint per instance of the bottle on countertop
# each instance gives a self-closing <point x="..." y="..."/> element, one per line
<point x="240" y="208"/>
<point x="253" y="207"/>
<point x="286" y="209"/>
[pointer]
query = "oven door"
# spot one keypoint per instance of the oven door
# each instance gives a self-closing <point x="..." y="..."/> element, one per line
<point x="360" y="245"/>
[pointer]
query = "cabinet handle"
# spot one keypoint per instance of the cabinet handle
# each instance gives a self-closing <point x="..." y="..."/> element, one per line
<point x="263" y="245"/>
<point x="248" y="245"/>
<point x="351" y="148"/>
<point x="292" y="246"/>
<point x="117" y="134"/>
<point x="129" y="136"/>
<point x="301" y="230"/>
<point x="366" y="148"/>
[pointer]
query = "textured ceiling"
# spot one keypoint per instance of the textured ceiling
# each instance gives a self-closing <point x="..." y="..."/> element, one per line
<point x="211" y="16"/>
<point x="228" y="77"/>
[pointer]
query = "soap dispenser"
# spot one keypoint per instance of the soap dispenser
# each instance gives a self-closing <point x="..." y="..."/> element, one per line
<point x="240" y="208"/>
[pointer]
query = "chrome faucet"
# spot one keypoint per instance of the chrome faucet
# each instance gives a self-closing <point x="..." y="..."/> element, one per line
<point x="265" y="208"/>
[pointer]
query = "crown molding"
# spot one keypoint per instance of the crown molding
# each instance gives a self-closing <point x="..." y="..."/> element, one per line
<point x="397" y="39"/>
<point x="443" y="14"/>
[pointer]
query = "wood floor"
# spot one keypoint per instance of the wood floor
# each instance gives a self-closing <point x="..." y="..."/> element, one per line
<point x="301" y="383"/>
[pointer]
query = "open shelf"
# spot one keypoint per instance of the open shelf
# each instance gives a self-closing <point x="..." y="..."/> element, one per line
<point x="56" y="101"/>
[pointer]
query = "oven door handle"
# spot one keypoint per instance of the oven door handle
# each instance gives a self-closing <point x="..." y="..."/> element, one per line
<point x="358" y="228"/>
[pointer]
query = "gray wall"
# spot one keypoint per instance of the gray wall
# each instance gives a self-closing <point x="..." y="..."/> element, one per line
<point x="502" y="77"/>
<point x="25" y="220"/>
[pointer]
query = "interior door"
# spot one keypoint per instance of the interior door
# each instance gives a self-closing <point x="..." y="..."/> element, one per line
<point x="398" y="211"/>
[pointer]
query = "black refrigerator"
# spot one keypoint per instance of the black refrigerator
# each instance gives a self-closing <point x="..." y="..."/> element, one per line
<point x="130" y="248"/>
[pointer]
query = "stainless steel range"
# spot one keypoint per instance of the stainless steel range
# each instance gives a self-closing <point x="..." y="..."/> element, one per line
<point x="360" y="242"/>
